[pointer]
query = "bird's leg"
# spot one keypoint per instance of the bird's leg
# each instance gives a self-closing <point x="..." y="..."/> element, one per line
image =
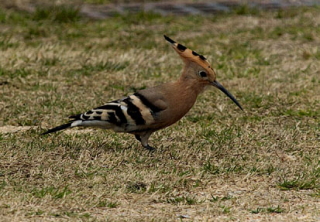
<point x="150" y="148"/>
<point x="138" y="137"/>
<point x="144" y="140"/>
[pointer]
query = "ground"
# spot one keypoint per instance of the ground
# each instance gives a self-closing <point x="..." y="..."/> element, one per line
<point x="217" y="164"/>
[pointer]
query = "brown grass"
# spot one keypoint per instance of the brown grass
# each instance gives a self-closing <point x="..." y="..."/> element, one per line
<point x="216" y="164"/>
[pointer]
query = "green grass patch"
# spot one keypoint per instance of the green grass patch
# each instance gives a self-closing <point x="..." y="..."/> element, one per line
<point x="108" y="204"/>
<point x="60" y="14"/>
<point x="276" y="210"/>
<point x="182" y="200"/>
<point x="299" y="184"/>
<point x="56" y="193"/>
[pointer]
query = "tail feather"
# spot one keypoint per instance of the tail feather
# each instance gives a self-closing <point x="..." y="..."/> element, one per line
<point x="58" y="128"/>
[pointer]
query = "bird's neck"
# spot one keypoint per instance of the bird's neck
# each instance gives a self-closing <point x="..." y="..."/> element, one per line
<point x="190" y="85"/>
<point x="186" y="93"/>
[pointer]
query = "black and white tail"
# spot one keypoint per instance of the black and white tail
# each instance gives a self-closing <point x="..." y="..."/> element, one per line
<point x="130" y="114"/>
<point x="58" y="128"/>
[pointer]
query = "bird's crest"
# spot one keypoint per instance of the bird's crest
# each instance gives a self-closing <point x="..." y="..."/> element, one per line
<point x="188" y="55"/>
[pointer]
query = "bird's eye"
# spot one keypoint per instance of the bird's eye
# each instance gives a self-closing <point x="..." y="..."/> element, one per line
<point x="202" y="74"/>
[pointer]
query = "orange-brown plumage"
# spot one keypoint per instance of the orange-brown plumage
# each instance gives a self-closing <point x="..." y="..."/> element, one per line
<point x="151" y="109"/>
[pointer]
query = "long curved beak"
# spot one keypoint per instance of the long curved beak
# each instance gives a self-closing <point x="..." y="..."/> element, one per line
<point x="219" y="86"/>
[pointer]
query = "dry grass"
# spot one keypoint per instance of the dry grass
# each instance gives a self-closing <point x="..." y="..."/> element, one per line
<point x="217" y="164"/>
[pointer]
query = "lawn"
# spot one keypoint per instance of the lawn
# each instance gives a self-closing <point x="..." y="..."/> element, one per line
<point x="217" y="164"/>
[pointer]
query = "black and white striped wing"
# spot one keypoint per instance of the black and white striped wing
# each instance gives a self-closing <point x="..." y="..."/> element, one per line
<point x="133" y="113"/>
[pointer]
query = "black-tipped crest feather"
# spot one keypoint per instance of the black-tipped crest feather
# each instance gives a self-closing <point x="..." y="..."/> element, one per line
<point x="182" y="48"/>
<point x="169" y="40"/>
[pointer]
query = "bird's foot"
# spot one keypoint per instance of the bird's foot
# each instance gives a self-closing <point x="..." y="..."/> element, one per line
<point x="150" y="148"/>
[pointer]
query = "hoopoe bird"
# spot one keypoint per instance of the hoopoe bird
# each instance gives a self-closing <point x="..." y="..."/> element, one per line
<point x="155" y="108"/>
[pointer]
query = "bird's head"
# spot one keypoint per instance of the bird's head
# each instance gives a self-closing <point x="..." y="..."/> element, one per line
<point x="197" y="67"/>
